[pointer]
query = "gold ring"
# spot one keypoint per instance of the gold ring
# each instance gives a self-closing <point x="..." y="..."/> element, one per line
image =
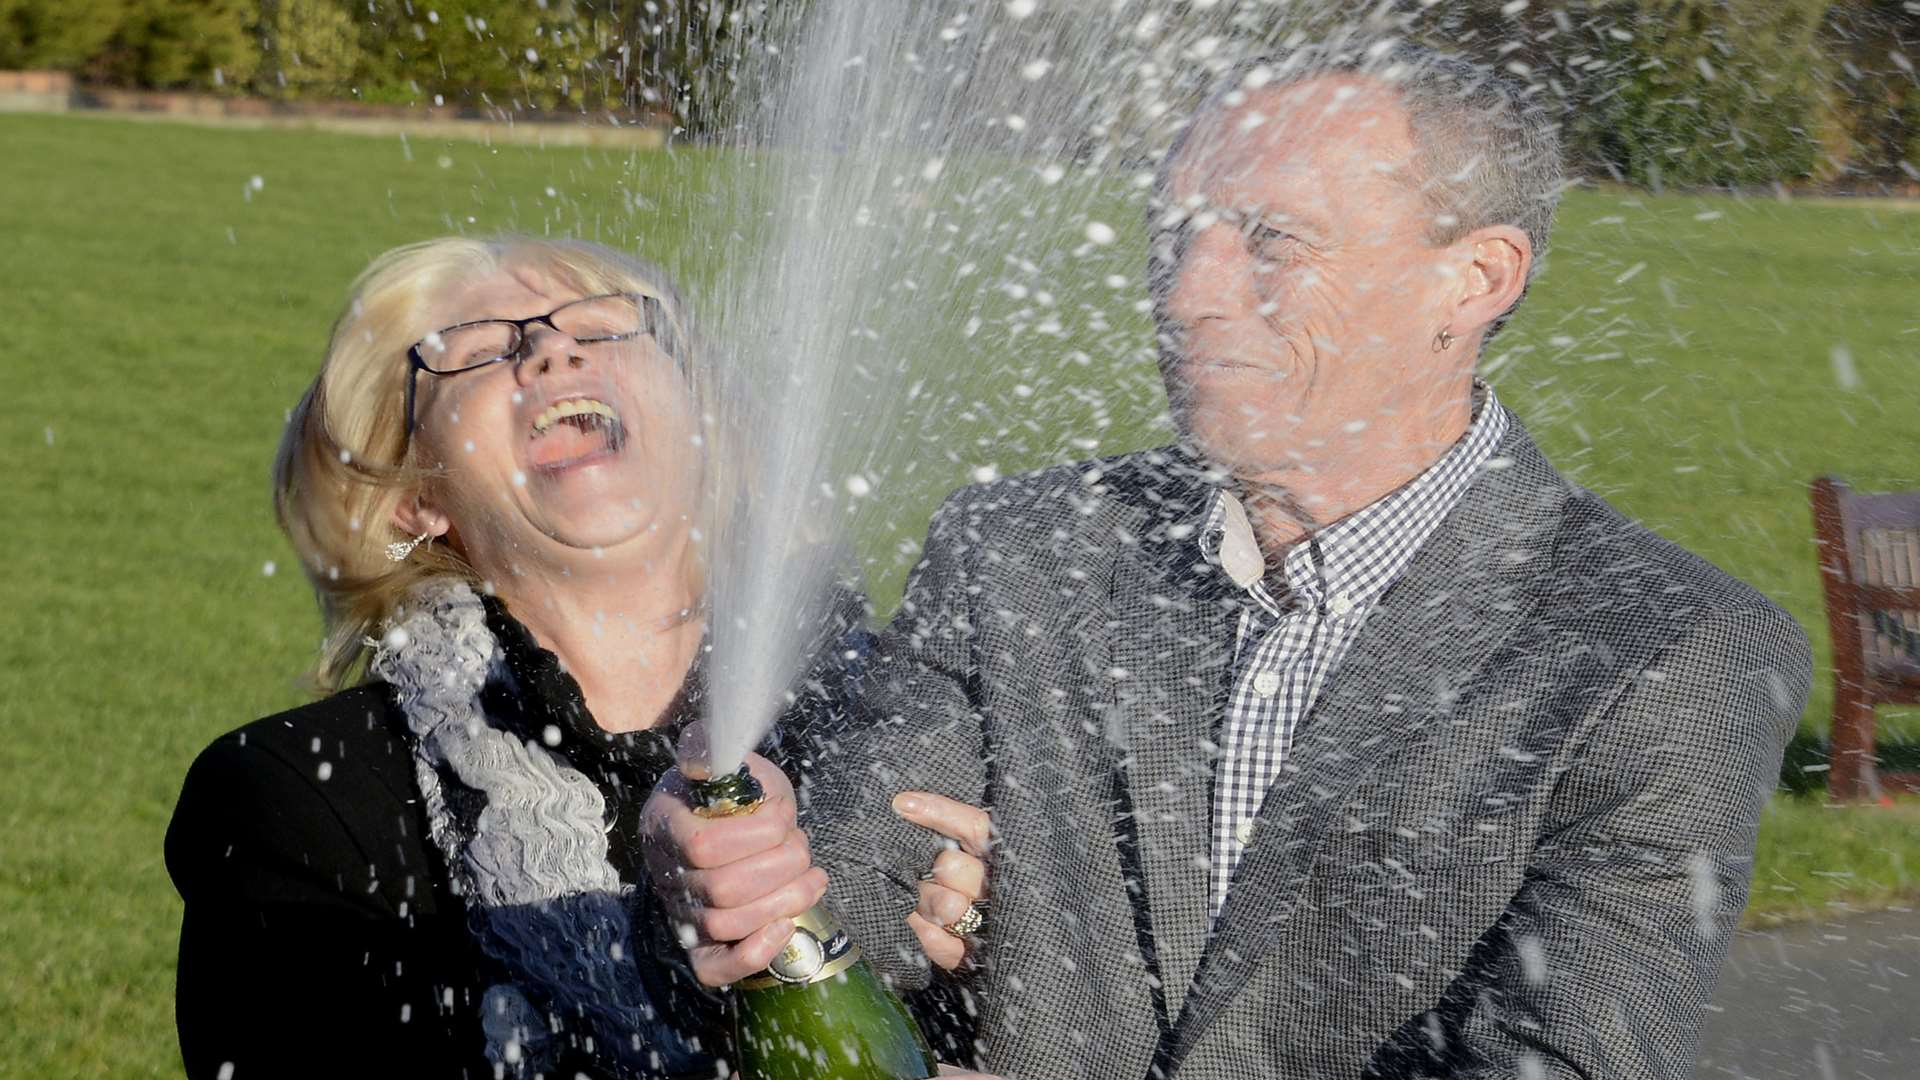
<point x="969" y="923"/>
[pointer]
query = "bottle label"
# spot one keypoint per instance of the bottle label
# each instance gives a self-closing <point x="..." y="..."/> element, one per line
<point x="818" y="950"/>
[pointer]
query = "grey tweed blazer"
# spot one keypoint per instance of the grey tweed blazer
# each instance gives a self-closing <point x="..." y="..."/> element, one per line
<point x="1511" y="840"/>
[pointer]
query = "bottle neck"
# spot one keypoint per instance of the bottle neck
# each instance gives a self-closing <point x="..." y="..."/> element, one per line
<point x="820" y="947"/>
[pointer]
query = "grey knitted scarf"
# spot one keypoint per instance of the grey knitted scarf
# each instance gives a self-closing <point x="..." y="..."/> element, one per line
<point x="542" y="900"/>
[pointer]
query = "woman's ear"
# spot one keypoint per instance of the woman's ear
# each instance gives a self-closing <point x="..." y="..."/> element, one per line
<point x="1498" y="259"/>
<point x="415" y="516"/>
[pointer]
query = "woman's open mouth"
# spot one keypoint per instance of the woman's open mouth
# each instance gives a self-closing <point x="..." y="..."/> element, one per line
<point x="575" y="431"/>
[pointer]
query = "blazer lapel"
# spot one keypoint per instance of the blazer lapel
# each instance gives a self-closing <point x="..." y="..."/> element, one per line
<point x="1470" y="585"/>
<point x="1172" y="657"/>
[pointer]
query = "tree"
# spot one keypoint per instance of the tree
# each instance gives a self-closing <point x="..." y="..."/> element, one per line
<point x="1709" y="93"/>
<point x="172" y="43"/>
<point x="56" y="34"/>
<point x="675" y="58"/>
<point x="1875" y="97"/>
<point x="506" y="54"/>
<point x="309" y="48"/>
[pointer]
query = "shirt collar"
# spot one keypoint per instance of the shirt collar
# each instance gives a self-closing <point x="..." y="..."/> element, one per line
<point x="1348" y="564"/>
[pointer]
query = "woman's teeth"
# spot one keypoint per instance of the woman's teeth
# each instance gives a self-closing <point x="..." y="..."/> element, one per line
<point x="574" y="430"/>
<point x="572" y="407"/>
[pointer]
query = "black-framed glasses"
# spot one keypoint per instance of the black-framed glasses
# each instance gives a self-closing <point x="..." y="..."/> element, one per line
<point x="470" y="346"/>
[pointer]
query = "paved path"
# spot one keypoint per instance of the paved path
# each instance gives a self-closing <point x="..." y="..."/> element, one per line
<point x="1825" y="1001"/>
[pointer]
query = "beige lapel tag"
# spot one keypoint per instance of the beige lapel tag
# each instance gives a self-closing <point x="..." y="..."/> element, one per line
<point x="1239" y="553"/>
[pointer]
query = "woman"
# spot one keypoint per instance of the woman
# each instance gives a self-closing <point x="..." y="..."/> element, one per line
<point x="494" y="485"/>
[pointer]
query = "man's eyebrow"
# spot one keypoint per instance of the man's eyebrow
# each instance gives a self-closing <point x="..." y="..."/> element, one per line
<point x="1245" y="214"/>
<point x="1286" y="221"/>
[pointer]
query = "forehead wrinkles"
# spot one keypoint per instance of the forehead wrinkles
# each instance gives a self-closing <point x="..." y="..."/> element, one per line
<point x="507" y="293"/>
<point x="1325" y="141"/>
<point x="535" y="281"/>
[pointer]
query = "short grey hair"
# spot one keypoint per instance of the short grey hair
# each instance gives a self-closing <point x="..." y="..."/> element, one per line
<point x="1485" y="153"/>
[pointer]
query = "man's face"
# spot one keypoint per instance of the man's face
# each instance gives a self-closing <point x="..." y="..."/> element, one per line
<point x="1296" y="293"/>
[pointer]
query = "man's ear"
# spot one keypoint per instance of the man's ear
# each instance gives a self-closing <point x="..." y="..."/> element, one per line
<point x="1498" y="258"/>
<point x="416" y="516"/>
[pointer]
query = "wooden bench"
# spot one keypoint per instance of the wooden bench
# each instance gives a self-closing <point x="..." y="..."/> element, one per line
<point x="1870" y="567"/>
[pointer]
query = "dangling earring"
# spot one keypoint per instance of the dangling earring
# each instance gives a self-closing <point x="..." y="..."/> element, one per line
<point x="1442" y="341"/>
<point x="400" y="549"/>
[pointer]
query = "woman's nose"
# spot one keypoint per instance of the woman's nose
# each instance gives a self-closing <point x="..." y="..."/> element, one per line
<point x="547" y="350"/>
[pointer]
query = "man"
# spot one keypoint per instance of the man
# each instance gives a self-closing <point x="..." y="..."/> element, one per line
<point x="1347" y="737"/>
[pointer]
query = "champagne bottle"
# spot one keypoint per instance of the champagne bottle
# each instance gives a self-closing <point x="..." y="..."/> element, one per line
<point x="817" y="1012"/>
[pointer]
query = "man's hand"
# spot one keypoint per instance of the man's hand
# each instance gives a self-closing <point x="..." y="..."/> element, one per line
<point x="959" y="878"/>
<point x="731" y="885"/>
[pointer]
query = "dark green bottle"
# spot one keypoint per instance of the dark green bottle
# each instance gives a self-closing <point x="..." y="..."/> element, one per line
<point x="818" y="1012"/>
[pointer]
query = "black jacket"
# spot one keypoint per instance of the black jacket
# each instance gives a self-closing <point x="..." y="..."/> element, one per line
<point x="321" y="935"/>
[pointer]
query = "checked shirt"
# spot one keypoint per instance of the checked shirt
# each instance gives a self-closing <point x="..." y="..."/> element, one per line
<point x="1290" y="637"/>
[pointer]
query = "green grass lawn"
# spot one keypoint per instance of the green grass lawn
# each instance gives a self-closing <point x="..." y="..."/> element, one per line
<point x="1818" y="860"/>
<point x="1679" y="355"/>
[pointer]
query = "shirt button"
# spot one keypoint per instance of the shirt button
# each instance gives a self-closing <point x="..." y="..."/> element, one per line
<point x="1266" y="683"/>
<point x="1243" y="832"/>
<point x="1341" y="604"/>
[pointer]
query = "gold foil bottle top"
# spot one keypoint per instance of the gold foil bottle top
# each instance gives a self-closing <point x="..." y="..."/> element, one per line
<point x="727" y="796"/>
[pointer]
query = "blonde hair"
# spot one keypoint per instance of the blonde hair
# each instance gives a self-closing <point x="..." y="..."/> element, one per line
<point x="343" y="466"/>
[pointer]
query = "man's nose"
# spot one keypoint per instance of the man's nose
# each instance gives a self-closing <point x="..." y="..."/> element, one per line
<point x="1209" y="277"/>
<point x="547" y="350"/>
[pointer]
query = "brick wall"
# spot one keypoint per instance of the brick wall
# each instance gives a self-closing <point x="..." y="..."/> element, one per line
<point x="35" y="91"/>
